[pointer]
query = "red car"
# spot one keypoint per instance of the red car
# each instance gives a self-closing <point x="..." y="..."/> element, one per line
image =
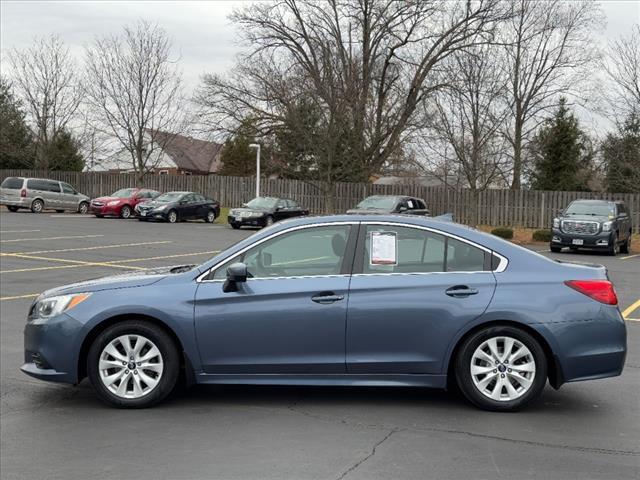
<point x="121" y="203"/>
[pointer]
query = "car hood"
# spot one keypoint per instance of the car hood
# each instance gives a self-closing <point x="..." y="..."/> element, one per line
<point x="248" y="209"/>
<point x="583" y="218"/>
<point x="126" y="280"/>
<point x="154" y="204"/>
<point x="108" y="199"/>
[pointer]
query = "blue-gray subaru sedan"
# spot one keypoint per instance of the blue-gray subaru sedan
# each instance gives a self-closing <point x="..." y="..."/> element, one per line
<point x="342" y="300"/>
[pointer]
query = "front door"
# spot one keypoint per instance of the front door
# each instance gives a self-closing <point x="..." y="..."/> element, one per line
<point x="414" y="290"/>
<point x="289" y="317"/>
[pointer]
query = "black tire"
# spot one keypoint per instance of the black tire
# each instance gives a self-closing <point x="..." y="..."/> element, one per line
<point x="83" y="208"/>
<point x="125" y="212"/>
<point x="555" y="249"/>
<point x="210" y="217"/>
<point x="11" y="208"/>
<point x="626" y="246"/>
<point x="172" y="216"/>
<point x="170" y="358"/>
<point x="463" y="369"/>
<point x="235" y="226"/>
<point x="614" y="249"/>
<point x="37" y="206"/>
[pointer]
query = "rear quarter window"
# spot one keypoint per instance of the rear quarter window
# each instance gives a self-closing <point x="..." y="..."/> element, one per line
<point x="12" y="183"/>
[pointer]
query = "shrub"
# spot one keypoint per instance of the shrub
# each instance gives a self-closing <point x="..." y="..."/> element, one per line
<point x="542" y="236"/>
<point x="503" y="232"/>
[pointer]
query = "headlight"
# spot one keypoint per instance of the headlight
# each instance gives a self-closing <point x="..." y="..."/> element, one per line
<point x="606" y="226"/>
<point x="52" y="306"/>
<point x="112" y="203"/>
<point x="233" y="213"/>
<point x="556" y="223"/>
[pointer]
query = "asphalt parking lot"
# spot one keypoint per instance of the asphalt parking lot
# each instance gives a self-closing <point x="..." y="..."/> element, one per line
<point x="587" y="430"/>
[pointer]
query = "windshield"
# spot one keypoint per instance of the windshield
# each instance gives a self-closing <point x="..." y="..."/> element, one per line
<point x="124" y="193"/>
<point x="262" y="202"/>
<point x="169" y="197"/>
<point x="378" y="203"/>
<point x="595" y="209"/>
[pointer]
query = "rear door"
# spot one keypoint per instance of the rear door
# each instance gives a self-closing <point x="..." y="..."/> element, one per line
<point x="412" y="290"/>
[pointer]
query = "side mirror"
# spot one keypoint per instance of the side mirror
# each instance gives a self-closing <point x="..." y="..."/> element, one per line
<point x="236" y="273"/>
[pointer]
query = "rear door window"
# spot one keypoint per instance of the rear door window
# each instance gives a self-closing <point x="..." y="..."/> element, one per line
<point x="12" y="183"/>
<point x="462" y="257"/>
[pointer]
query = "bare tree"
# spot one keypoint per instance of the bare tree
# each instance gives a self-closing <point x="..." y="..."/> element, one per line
<point x="468" y="117"/>
<point x="366" y="65"/>
<point x="547" y="45"/>
<point x="134" y="89"/>
<point x="622" y="66"/>
<point x="46" y="78"/>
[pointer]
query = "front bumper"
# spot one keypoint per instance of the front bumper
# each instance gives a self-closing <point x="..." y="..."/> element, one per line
<point x="51" y="349"/>
<point x="247" y="221"/>
<point x="600" y="240"/>
<point x="104" y="210"/>
<point x="151" y="214"/>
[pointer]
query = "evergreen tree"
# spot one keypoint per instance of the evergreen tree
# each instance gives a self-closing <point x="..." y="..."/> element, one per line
<point x="16" y="141"/>
<point x="237" y="157"/>
<point x="64" y="153"/>
<point x="562" y="154"/>
<point x="621" y="154"/>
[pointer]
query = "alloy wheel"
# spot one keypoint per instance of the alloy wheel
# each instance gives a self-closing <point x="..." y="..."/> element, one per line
<point x="503" y="368"/>
<point x="84" y="208"/>
<point x="36" y="206"/>
<point x="125" y="212"/>
<point x="130" y="366"/>
<point x="173" y="217"/>
<point x="211" y="217"/>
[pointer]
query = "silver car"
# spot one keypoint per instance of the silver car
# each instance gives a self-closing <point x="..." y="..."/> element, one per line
<point x="38" y="194"/>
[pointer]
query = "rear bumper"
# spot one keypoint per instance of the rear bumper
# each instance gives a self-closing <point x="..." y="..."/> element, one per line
<point x="589" y="349"/>
<point x="19" y="202"/>
<point x="600" y="240"/>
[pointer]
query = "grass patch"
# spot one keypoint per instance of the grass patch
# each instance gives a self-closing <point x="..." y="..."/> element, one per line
<point x="224" y="213"/>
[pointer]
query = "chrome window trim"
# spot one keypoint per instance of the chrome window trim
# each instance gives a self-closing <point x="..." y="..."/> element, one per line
<point x="201" y="278"/>
<point x="502" y="265"/>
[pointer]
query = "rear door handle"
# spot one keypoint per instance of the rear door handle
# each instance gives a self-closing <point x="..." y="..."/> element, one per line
<point x="327" y="297"/>
<point x="459" y="291"/>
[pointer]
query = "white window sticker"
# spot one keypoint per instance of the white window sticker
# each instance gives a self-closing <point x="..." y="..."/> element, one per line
<point x="384" y="248"/>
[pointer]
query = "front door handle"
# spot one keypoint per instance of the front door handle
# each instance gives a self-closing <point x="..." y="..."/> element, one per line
<point x="460" y="291"/>
<point x="327" y="297"/>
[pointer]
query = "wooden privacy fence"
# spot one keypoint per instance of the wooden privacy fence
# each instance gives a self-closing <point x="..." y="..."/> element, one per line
<point x="521" y="208"/>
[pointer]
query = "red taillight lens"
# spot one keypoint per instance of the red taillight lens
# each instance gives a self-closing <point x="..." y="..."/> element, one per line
<point x="23" y="192"/>
<point x="600" y="290"/>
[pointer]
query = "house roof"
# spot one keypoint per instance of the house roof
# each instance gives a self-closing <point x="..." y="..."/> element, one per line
<point x="190" y="153"/>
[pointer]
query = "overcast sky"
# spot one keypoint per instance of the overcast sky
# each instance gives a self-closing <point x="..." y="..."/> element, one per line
<point x="202" y="33"/>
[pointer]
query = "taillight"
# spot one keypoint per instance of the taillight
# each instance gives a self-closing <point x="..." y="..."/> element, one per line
<point x="600" y="290"/>
<point x="23" y="192"/>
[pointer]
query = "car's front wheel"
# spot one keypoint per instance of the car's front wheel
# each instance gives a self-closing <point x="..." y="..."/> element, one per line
<point x="172" y="216"/>
<point x="555" y="249"/>
<point x="501" y="368"/>
<point x="210" y="217"/>
<point x="133" y="364"/>
<point x="125" y="212"/>
<point x="626" y="246"/>
<point x="614" y="249"/>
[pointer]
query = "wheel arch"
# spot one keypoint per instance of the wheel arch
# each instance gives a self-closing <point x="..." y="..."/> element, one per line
<point x="106" y="323"/>
<point x="554" y="370"/>
<point x="44" y="204"/>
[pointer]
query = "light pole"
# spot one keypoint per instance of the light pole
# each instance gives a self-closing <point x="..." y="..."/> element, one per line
<point x="257" y="146"/>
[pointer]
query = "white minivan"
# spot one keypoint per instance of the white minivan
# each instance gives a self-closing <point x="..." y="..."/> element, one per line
<point x="38" y="194"/>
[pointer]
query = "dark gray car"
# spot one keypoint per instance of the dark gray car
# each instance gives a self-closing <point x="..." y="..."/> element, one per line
<point x="391" y="204"/>
<point x="38" y="194"/>
<point x="593" y="224"/>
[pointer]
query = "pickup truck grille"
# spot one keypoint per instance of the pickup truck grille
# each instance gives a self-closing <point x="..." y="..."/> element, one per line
<point x="580" y="227"/>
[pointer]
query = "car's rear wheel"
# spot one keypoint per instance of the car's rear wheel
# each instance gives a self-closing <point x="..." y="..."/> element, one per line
<point x="501" y="368"/>
<point x="211" y="217"/>
<point x="555" y="249"/>
<point x="172" y="216"/>
<point x="133" y="364"/>
<point x="12" y="208"/>
<point x="626" y="246"/>
<point x="83" y="208"/>
<point x="125" y="211"/>
<point x="37" y="206"/>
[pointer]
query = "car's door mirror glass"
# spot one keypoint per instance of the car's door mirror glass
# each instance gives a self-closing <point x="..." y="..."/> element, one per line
<point x="236" y="273"/>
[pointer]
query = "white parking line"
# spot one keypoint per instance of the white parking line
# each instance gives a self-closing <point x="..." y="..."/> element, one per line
<point x="98" y="247"/>
<point x="629" y="256"/>
<point x="15" y="240"/>
<point x="18" y="231"/>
